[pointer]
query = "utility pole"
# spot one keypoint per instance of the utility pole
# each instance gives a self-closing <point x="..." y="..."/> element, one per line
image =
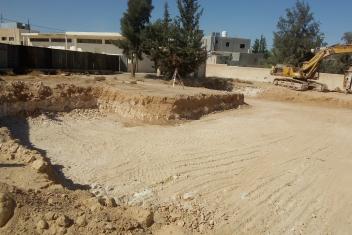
<point x="29" y="26"/>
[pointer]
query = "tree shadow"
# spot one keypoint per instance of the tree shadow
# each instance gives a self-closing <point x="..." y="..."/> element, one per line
<point x="20" y="129"/>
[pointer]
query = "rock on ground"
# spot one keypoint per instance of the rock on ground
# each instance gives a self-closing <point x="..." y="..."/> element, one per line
<point x="143" y="216"/>
<point x="7" y="207"/>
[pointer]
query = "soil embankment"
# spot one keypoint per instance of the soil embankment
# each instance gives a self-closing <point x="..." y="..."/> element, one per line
<point x="27" y="97"/>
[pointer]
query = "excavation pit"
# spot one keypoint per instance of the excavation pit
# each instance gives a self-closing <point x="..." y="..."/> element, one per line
<point x="98" y="120"/>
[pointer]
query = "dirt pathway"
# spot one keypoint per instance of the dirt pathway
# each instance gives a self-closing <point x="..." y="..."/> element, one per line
<point x="276" y="167"/>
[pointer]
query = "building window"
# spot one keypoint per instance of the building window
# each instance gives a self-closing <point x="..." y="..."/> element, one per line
<point x="69" y="40"/>
<point x="11" y="39"/>
<point x="242" y="46"/>
<point x="227" y="44"/>
<point x="111" y="42"/>
<point x="39" y="39"/>
<point x="3" y="38"/>
<point x="92" y="41"/>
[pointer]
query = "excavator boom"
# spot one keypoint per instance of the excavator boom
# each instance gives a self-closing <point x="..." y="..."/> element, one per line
<point x="310" y="68"/>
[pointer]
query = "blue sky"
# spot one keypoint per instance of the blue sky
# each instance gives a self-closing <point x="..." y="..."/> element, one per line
<point x="249" y="18"/>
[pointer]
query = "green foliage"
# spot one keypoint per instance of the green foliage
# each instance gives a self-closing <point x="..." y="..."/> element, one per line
<point x="260" y="46"/>
<point x="154" y="42"/>
<point x="297" y="33"/>
<point x="170" y="44"/>
<point x="185" y="50"/>
<point x="133" y="24"/>
<point x="338" y="63"/>
<point x="347" y="38"/>
<point x="256" y="46"/>
<point x="156" y="38"/>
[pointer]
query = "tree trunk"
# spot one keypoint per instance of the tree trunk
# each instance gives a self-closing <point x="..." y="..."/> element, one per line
<point x="133" y="67"/>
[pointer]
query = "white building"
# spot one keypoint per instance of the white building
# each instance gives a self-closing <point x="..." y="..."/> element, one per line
<point x="95" y="42"/>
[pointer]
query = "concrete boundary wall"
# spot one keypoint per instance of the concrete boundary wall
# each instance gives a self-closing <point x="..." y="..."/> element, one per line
<point x="333" y="81"/>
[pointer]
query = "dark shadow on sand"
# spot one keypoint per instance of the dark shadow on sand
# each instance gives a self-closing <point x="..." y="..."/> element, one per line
<point x="20" y="130"/>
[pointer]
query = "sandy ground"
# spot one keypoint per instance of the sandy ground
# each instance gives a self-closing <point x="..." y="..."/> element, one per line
<point x="332" y="81"/>
<point x="266" y="168"/>
<point x="275" y="168"/>
<point x="141" y="85"/>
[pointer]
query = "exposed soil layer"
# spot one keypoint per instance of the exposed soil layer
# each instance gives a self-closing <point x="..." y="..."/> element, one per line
<point x="28" y="97"/>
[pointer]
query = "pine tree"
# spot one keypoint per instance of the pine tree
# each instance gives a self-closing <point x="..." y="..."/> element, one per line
<point x="133" y="24"/>
<point x="256" y="46"/>
<point x="186" y="52"/>
<point x="262" y="44"/>
<point x="166" y="19"/>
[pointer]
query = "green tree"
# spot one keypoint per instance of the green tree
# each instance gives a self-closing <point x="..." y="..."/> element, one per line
<point x="297" y="33"/>
<point x="185" y="52"/>
<point x="256" y="46"/>
<point x="347" y="38"/>
<point x="133" y="24"/>
<point x="338" y="63"/>
<point x="156" y="38"/>
<point x="260" y="46"/>
<point x="167" y="19"/>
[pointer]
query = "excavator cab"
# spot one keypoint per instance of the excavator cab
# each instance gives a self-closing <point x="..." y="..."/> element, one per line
<point x="283" y="70"/>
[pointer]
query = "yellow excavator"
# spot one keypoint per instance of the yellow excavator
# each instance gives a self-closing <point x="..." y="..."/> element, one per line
<point x="304" y="78"/>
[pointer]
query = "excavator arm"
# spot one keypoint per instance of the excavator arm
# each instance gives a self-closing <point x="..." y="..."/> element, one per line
<point x="310" y="68"/>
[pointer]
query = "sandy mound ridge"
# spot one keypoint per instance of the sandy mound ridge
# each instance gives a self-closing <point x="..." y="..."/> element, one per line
<point x="28" y="97"/>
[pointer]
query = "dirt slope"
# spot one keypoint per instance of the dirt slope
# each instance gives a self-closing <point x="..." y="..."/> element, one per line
<point x="278" y="168"/>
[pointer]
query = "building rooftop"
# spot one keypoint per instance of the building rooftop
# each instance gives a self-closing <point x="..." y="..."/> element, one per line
<point x="14" y="25"/>
<point x="91" y="34"/>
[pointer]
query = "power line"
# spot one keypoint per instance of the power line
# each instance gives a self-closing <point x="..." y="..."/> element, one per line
<point x="34" y="25"/>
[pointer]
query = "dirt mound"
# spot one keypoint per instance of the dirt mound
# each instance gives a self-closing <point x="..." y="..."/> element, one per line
<point x="213" y="83"/>
<point x="30" y="97"/>
<point x="329" y="99"/>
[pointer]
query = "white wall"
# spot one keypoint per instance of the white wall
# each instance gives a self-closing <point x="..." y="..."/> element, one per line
<point x="263" y="75"/>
